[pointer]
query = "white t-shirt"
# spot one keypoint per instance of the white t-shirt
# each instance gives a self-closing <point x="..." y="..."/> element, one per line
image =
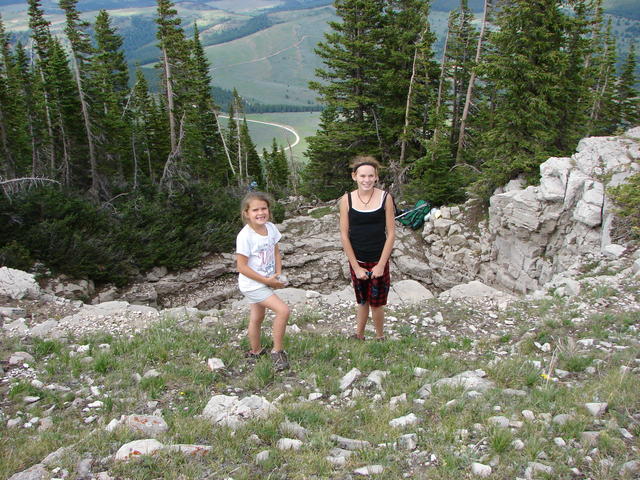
<point x="260" y="250"/>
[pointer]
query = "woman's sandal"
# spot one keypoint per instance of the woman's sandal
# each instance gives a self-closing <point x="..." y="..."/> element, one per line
<point x="381" y="339"/>
<point x="355" y="336"/>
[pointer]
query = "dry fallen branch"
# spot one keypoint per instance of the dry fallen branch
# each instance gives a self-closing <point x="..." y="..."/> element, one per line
<point x="13" y="186"/>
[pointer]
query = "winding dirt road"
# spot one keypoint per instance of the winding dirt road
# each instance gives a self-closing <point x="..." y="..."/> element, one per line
<point x="285" y="127"/>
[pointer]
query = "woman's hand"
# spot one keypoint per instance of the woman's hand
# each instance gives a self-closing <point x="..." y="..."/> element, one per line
<point x="361" y="273"/>
<point x="377" y="271"/>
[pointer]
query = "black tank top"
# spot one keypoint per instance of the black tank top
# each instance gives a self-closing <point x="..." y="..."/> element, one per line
<point x="367" y="231"/>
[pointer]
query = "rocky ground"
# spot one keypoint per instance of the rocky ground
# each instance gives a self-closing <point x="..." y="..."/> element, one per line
<point x="595" y="317"/>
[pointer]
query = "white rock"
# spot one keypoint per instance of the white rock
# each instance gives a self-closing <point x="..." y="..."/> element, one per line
<point x="17" y="284"/>
<point x="534" y="468"/>
<point x="289" y="444"/>
<point x="597" y="409"/>
<point x="349" y="378"/>
<point x="369" y="470"/>
<point x="262" y="456"/>
<point x="148" y="425"/>
<point x="397" y="400"/>
<point x="408" y="441"/>
<point x="377" y="376"/>
<point x="215" y="364"/>
<point x="528" y="415"/>
<point x="410" y="419"/>
<point x="136" y="448"/>
<point x="499" y="421"/>
<point x="480" y="470"/>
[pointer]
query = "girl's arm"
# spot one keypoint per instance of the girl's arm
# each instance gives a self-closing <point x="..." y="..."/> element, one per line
<point x="278" y="257"/>
<point x="390" y="223"/>
<point x="344" y="237"/>
<point x="242" y="265"/>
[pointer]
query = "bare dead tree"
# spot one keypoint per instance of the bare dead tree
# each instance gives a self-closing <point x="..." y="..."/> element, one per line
<point x="16" y="185"/>
<point x="171" y="169"/>
<point x="224" y="142"/>
<point x="93" y="162"/>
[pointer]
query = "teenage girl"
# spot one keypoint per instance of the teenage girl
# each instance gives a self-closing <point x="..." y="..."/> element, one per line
<point x="367" y="231"/>
<point x="259" y="263"/>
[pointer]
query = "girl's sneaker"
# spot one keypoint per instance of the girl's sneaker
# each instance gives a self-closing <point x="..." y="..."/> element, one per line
<point x="280" y="360"/>
<point x="255" y="356"/>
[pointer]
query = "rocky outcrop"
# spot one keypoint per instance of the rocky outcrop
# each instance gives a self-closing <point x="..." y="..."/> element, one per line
<point x="531" y="237"/>
<point x="535" y="234"/>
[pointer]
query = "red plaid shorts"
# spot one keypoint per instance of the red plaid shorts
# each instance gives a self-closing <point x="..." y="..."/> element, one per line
<point x="372" y="290"/>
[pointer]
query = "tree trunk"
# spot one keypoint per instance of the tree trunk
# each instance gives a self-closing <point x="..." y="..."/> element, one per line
<point x="87" y="128"/>
<point x="472" y="79"/>
<point x="170" y="104"/>
<point x="224" y="143"/>
<point x="443" y="65"/>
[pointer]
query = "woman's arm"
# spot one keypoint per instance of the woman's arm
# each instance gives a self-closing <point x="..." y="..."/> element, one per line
<point x="390" y="223"/>
<point x="344" y="237"/>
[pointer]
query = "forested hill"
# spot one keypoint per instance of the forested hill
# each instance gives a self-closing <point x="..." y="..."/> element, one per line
<point x="102" y="177"/>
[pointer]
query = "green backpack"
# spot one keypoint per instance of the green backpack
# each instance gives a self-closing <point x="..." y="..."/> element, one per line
<point x="414" y="217"/>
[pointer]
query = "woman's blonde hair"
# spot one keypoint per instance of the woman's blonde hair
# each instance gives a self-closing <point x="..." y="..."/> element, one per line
<point x="244" y="205"/>
<point x="361" y="160"/>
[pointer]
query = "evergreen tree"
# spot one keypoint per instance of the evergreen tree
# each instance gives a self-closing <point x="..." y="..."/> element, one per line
<point x="277" y="171"/>
<point x="377" y="81"/>
<point x="149" y="139"/>
<point x="522" y="67"/>
<point x="605" y="110"/>
<point x="175" y="74"/>
<point x="81" y="51"/>
<point x="232" y="140"/>
<point x="31" y="90"/>
<point x="627" y="93"/>
<point x="251" y="157"/>
<point x="214" y="166"/>
<point x="350" y="53"/>
<point x="109" y="82"/>
<point x="460" y="57"/>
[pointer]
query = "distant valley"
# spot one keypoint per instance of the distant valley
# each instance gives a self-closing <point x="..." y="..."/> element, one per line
<point x="263" y="48"/>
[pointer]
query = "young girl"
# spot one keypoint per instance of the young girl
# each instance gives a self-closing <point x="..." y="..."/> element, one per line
<point x="259" y="263"/>
<point x="367" y="231"/>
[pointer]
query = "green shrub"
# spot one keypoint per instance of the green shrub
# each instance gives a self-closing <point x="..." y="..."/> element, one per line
<point x="74" y="236"/>
<point x="627" y="199"/>
<point x="15" y="255"/>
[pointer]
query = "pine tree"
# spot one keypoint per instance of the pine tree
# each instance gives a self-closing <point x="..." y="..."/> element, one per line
<point x="350" y="52"/>
<point x="149" y="128"/>
<point x="251" y="157"/>
<point x="31" y="90"/>
<point x="81" y="51"/>
<point x="627" y="93"/>
<point x="522" y="67"/>
<point x="214" y="166"/>
<point x="277" y="171"/>
<point x="109" y="82"/>
<point x="605" y="110"/>
<point x="175" y="74"/>
<point x="460" y="53"/>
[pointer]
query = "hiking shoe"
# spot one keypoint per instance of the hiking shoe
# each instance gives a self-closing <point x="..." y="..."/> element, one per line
<point x="280" y="360"/>
<point x="255" y="356"/>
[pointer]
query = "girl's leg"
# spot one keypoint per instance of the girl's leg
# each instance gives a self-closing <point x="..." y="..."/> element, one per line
<point x="256" y="316"/>
<point x="281" y="310"/>
<point x="377" y="314"/>
<point x="362" y="315"/>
